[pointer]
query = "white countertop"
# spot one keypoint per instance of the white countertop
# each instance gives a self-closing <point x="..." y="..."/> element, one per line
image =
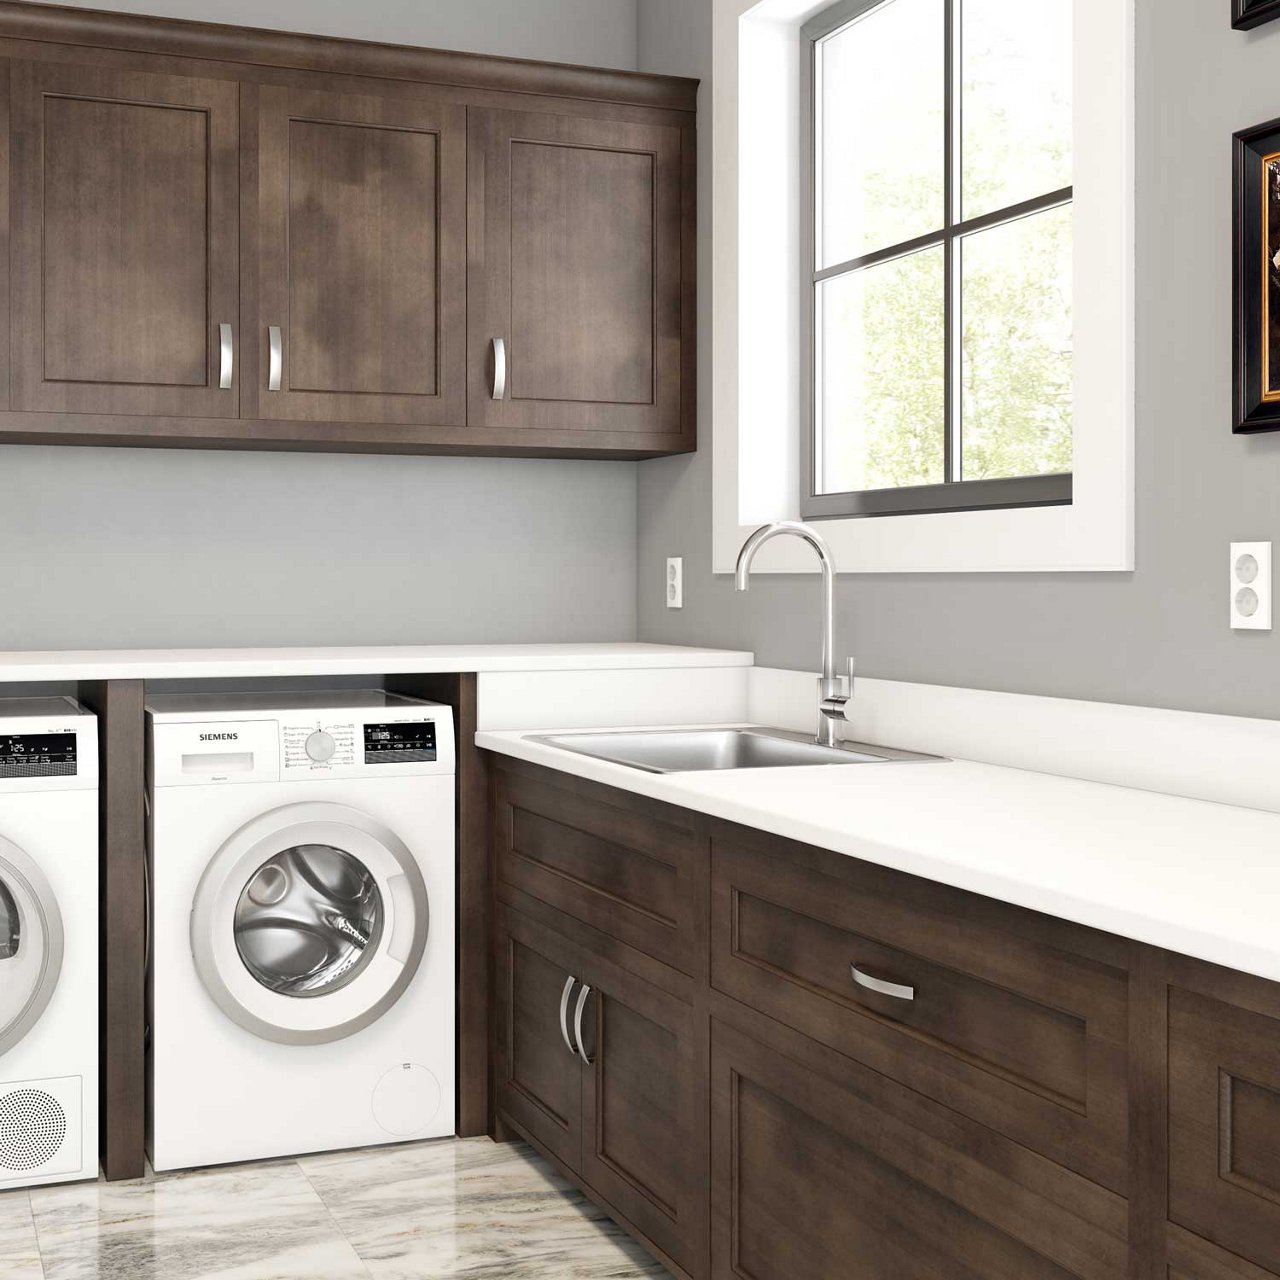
<point x="1190" y="876"/>
<point x="204" y="664"/>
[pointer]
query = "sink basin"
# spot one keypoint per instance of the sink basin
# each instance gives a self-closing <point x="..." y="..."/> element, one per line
<point x="694" y="750"/>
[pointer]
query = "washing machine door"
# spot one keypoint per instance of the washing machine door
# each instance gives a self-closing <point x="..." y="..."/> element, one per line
<point x="31" y="943"/>
<point x="309" y="923"/>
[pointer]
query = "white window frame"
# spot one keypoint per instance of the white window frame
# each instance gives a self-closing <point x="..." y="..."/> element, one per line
<point x="759" y="389"/>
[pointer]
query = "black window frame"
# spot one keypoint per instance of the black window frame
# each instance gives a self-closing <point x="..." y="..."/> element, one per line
<point x="1049" y="490"/>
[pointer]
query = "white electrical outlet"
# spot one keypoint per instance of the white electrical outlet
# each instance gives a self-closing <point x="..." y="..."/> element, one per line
<point x="1251" y="586"/>
<point x="675" y="583"/>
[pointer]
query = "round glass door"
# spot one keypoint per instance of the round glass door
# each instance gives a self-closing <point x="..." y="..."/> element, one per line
<point x="309" y="921"/>
<point x="31" y="943"/>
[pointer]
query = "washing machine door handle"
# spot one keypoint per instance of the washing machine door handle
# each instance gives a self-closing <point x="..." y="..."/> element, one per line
<point x="404" y="924"/>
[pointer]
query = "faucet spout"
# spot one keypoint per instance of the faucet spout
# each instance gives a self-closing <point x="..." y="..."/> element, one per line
<point x="829" y="686"/>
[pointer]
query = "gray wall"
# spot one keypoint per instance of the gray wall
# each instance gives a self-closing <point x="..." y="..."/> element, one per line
<point x="591" y="32"/>
<point x="137" y="548"/>
<point x="1158" y="636"/>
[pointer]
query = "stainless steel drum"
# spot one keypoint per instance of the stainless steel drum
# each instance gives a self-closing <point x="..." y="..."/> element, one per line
<point x="309" y="921"/>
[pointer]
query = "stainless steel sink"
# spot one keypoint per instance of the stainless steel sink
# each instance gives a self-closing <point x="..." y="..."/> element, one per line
<point x="694" y="750"/>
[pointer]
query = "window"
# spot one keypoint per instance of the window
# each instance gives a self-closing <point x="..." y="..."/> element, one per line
<point x="939" y="252"/>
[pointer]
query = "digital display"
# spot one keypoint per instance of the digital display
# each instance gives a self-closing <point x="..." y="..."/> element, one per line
<point x="37" y="755"/>
<point x="400" y="743"/>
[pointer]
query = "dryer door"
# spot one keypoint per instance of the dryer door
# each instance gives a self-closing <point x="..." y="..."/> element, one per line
<point x="31" y="943"/>
<point x="309" y="923"/>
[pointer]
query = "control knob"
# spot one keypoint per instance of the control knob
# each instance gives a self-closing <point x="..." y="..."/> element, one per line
<point x="321" y="746"/>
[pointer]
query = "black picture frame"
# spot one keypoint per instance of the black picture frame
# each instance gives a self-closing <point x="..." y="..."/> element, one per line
<point x="1246" y="14"/>
<point x="1256" y="293"/>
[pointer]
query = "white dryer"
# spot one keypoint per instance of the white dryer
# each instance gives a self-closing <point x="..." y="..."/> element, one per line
<point x="48" y="942"/>
<point x="302" y="858"/>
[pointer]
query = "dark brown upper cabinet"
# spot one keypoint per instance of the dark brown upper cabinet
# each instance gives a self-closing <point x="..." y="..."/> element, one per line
<point x="574" y="281"/>
<point x="125" y="226"/>
<point x="228" y="238"/>
<point x="360" y="312"/>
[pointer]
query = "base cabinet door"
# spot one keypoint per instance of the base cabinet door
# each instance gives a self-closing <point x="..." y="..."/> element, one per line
<point x="1224" y="1124"/>
<point x="359" y="270"/>
<point x="576" y="299"/>
<point x="538" y="1074"/>
<point x="830" y="1183"/>
<point x="643" y="1111"/>
<point x="125" y="242"/>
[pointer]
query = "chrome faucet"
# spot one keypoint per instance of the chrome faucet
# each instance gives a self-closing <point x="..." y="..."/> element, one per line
<point x="833" y="695"/>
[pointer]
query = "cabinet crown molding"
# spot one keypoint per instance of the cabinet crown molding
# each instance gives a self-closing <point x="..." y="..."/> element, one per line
<point x="58" y="24"/>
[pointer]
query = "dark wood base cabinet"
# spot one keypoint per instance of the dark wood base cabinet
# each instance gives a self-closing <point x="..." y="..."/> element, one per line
<point x="767" y="1061"/>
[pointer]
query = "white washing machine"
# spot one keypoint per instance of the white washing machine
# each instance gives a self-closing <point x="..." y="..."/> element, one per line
<point x="302" y="963"/>
<point x="48" y="942"/>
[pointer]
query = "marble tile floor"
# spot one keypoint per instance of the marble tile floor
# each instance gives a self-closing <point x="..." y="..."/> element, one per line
<point x="426" y="1211"/>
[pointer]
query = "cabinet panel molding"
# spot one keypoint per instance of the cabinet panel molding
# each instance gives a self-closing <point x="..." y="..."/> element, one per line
<point x="536" y="1074"/>
<point x="1224" y="1123"/>
<point x="575" y="267"/>
<point x="125" y="241"/>
<point x="812" y="1178"/>
<point x="361" y="259"/>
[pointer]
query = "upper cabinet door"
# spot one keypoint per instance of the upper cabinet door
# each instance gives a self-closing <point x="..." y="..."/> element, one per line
<point x="575" y="280"/>
<point x="125" y="242"/>
<point x="359" y="301"/>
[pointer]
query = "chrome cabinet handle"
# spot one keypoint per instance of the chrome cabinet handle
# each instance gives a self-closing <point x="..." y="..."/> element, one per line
<point x="228" y="362"/>
<point x="499" y="369"/>
<point x="898" y="990"/>
<point x="577" y="1023"/>
<point x="276" y="345"/>
<point x="564" y="1012"/>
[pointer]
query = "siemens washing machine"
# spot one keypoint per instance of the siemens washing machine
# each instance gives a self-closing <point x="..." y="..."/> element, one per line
<point x="302" y="960"/>
<point x="48" y="942"/>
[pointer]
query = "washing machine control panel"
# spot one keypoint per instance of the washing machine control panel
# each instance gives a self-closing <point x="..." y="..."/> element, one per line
<point x="317" y="746"/>
<point x="380" y="742"/>
<point x="401" y="742"/>
<point x="314" y="743"/>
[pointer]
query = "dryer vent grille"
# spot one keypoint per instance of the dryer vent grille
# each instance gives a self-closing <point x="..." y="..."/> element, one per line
<point x="33" y="1127"/>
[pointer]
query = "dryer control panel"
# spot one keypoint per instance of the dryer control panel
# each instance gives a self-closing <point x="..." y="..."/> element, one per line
<point x="37" y="755"/>
<point x="47" y="744"/>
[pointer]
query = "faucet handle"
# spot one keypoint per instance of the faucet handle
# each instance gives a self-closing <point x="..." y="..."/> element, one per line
<point x="853" y="667"/>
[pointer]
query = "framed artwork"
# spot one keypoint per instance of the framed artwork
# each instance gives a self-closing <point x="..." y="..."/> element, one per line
<point x="1253" y="13"/>
<point x="1256" y="249"/>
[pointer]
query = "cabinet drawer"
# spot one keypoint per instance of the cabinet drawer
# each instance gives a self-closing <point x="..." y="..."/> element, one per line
<point x="1011" y="1030"/>
<point x="827" y="1182"/>
<point x="629" y="876"/>
<point x="1224" y="1124"/>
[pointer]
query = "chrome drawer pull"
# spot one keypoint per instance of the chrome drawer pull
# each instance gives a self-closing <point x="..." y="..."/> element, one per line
<point x="577" y="1024"/>
<point x="275" y="355"/>
<point x="895" y="989"/>
<point x="499" y="390"/>
<point x="564" y="1012"/>
<point x="227" y="361"/>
